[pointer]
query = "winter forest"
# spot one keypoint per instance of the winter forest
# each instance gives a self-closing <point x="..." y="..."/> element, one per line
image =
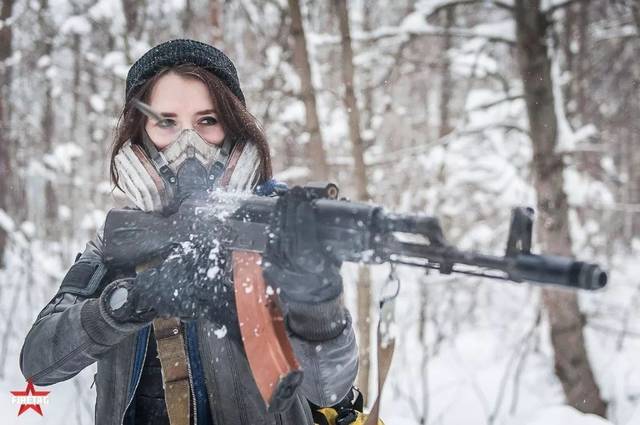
<point x="461" y="109"/>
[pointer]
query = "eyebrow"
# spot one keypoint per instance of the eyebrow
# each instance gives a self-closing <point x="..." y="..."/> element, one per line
<point x="173" y="114"/>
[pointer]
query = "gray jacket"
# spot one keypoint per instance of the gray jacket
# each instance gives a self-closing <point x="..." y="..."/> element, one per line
<point x="73" y="331"/>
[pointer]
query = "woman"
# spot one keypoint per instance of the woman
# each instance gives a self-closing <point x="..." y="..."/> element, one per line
<point x="185" y="128"/>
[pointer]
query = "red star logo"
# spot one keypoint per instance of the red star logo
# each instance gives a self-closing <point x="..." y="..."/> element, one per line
<point x="30" y="391"/>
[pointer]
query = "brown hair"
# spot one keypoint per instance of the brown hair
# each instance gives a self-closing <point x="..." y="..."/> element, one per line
<point x="236" y="120"/>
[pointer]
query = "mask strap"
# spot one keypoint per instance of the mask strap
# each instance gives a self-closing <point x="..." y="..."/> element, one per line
<point x="217" y="168"/>
<point x="159" y="161"/>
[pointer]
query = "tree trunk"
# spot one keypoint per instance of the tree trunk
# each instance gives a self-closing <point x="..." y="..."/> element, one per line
<point x="130" y="9"/>
<point x="446" y="89"/>
<point x="367" y="74"/>
<point x="77" y="75"/>
<point x="6" y="170"/>
<point x="446" y="95"/>
<point x="186" y="20"/>
<point x="362" y="194"/>
<point x="315" y="146"/>
<point x="581" y="65"/>
<point x="350" y="103"/>
<point x="215" y="19"/>
<point x="78" y="119"/>
<point x="47" y="125"/>
<point x="571" y="361"/>
<point x="635" y="11"/>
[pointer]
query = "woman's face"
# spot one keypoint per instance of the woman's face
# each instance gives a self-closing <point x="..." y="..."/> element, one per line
<point x="185" y="103"/>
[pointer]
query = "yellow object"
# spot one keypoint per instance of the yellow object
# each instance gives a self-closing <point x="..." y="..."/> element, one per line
<point x="329" y="416"/>
<point x="360" y="420"/>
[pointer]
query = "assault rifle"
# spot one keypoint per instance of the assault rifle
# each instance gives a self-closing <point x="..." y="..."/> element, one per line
<point x="350" y="231"/>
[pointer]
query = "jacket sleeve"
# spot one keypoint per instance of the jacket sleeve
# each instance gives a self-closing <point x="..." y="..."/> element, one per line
<point x="72" y="331"/>
<point x="324" y="342"/>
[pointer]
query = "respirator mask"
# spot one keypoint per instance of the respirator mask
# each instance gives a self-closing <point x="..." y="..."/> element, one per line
<point x="157" y="179"/>
<point x="154" y="179"/>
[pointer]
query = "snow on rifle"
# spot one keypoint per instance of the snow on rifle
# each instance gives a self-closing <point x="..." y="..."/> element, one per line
<point x="350" y="231"/>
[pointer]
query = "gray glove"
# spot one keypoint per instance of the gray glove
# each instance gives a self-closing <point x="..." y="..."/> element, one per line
<point x="121" y="302"/>
<point x="181" y="286"/>
<point x="306" y="273"/>
<point x="296" y="261"/>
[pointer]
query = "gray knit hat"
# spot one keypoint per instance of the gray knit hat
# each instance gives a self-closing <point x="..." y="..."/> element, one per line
<point x="177" y="52"/>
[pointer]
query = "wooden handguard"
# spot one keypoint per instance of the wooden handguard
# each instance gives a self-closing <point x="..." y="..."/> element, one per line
<point x="273" y="363"/>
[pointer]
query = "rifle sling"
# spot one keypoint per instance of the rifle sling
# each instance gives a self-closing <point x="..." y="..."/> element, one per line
<point x="386" y="345"/>
<point x="175" y="369"/>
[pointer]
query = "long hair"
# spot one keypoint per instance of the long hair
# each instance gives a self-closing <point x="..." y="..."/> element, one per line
<point x="236" y="120"/>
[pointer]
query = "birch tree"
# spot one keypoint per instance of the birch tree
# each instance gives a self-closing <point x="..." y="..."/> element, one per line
<point x="572" y="364"/>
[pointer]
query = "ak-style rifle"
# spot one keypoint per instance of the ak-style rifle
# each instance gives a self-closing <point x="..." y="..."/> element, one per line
<point x="349" y="231"/>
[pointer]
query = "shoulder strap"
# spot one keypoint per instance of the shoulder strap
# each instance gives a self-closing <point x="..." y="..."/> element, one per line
<point x="175" y="369"/>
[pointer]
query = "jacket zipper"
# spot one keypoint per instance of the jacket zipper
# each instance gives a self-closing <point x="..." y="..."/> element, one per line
<point x="135" y="387"/>
<point x="192" y="388"/>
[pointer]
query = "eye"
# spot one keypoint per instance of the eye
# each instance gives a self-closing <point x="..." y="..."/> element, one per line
<point x="208" y="120"/>
<point x="166" y="123"/>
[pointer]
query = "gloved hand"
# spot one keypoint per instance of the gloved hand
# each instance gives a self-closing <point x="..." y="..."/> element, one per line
<point x="181" y="286"/>
<point x="295" y="260"/>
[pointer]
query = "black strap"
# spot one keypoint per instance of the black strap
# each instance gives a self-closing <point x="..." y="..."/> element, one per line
<point x="83" y="278"/>
<point x="346" y="409"/>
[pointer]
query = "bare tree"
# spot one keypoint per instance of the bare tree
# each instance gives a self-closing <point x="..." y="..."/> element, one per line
<point x="583" y="20"/>
<point x="6" y="170"/>
<point x="215" y="19"/>
<point x="319" y="167"/>
<point x="635" y="11"/>
<point x="350" y="102"/>
<point x="361" y="182"/>
<point x="446" y="89"/>
<point x="187" y="17"/>
<point x="571" y="361"/>
<point x="367" y="90"/>
<point x="133" y="23"/>
<point x="47" y="123"/>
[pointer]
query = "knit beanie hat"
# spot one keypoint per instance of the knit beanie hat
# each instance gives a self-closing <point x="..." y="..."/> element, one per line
<point x="182" y="51"/>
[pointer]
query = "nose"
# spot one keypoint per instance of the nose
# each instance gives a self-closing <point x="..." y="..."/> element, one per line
<point x="186" y="125"/>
